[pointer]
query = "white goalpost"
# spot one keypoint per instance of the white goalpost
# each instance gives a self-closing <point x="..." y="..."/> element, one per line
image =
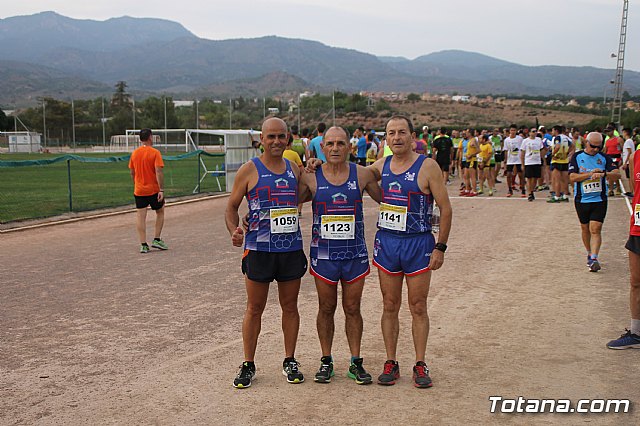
<point x="238" y="147"/>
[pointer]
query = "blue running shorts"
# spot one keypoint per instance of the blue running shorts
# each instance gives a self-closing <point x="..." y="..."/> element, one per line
<point x="332" y="271"/>
<point x="403" y="254"/>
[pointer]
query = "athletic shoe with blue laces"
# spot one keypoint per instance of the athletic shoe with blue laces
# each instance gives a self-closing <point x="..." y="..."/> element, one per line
<point x="627" y="341"/>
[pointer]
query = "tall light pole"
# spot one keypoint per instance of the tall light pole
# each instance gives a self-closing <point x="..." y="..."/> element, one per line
<point x="616" y="104"/>
<point x="133" y="109"/>
<point x="333" y="102"/>
<point x="197" y="124"/>
<point x="230" y="114"/>
<point x="44" y="121"/>
<point x="104" y="133"/>
<point x="298" y="111"/>
<point x="73" y="124"/>
<point x="166" y="142"/>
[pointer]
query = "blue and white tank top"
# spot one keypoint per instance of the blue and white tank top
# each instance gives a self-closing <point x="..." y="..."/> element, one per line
<point x="338" y="224"/>
<point x="404" y="208"/>
<point x="273" y="211"/>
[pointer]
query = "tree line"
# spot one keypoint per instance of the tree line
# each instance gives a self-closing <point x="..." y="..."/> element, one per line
<point x="121" y="112"/>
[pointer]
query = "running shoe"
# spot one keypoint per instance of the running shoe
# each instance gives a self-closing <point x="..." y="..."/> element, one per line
<point x="144" y="248"/>
<point x="553" y="200"/>
<point x="390" y="374"/>
<point x="523" y="195"/>
<point x="290" y="370"/>
<point x="325" y="372"/>
<point x="545" y="188"/>
<point x="627" y="341"/>
<point x="421" y="377"/>
<point x="628" y="194"/>
<point x="245" y="376"/>
<point x="611" y="194"/>
<point x="358" y="373"/>
<point x="480" y="192"/>
<point x="595" y="266"/>
<point x="159" y="244"/>
<point x="564" y="198"/>
<point x="498" y="181"/>
<point x="491" y="193"/>
<point x="510" y="194"/>
<point x="531" y="197"/>
<point x="472" y="194"/>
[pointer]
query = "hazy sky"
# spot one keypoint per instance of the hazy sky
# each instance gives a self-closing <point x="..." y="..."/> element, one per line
<point x="529" y="32"/>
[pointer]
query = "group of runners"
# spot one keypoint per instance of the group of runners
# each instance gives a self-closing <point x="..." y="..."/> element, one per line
<point x="406" y="185"/>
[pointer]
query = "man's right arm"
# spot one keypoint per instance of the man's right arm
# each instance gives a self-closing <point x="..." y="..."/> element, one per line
<point x="232" y="219"/>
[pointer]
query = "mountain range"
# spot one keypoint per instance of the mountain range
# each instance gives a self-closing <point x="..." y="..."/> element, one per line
<point x="48" y="54"/>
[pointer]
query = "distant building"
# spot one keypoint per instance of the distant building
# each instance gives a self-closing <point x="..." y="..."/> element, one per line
<point x="459" y="98"/>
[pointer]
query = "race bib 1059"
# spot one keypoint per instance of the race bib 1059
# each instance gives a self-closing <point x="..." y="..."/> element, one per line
<point x="284" y="220"/>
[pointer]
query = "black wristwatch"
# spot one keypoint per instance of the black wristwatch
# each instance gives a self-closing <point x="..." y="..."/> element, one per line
<point x="440" y="246"/>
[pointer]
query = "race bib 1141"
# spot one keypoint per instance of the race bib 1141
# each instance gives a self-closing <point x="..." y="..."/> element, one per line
<point x="392" y="217"/>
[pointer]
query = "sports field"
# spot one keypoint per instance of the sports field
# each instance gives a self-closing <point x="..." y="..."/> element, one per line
<point x="41" y="191"/>
<point x="95" y="333"/>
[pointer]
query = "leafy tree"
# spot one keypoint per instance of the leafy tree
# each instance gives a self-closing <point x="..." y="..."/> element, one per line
<point x="152" y="113"/>
<point x="121" y="99"/>
<point x="413" y="97"/>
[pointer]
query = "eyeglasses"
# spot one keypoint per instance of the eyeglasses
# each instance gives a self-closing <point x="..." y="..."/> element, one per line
<point x="595" y="146"/>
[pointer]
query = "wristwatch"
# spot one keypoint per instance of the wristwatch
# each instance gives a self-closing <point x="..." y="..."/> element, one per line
<point x="440" y="246"/>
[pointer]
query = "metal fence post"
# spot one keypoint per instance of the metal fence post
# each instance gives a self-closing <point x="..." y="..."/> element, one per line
<point x="69" y="182"/>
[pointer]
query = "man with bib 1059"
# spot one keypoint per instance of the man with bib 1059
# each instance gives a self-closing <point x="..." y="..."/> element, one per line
<point x="273" y="245"/>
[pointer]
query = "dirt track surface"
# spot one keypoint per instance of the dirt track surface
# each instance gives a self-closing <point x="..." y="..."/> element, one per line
<point x="95" y="333"/>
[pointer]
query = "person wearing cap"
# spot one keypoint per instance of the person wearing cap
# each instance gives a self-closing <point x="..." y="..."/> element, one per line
<point x="562" y="151"/>
<point x="146" y="167"/>
<point x="613" y="148"/>
<point x="545" y="180"/>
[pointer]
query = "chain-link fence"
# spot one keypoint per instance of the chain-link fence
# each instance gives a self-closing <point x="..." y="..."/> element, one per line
<point x="53" y="185"/>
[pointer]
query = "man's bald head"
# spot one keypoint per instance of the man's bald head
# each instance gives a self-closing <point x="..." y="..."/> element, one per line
<point x="336" y="131"/>
<point x="272" y="122"/>
<point x="595" y="138"/>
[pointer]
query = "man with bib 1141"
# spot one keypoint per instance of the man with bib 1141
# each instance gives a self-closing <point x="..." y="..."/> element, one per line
<point x="404" y="244"/>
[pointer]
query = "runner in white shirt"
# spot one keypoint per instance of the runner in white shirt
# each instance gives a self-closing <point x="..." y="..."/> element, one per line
<point x="532" y="151"/>
<point x="512" y="145"/>
<point x="627" y="155"/>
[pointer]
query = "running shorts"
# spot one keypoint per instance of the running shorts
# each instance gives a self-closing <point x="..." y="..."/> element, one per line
<point x="403" y="254"/>
<point x="591" y="212"/>
<point x="264" y="266"/>
<point x="533" y="171"/>
<point x="633" y="244"/>
<point x="142" y="201"/>
<point x="334" y="271"/>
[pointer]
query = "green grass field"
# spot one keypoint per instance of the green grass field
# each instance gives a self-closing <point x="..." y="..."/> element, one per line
<point x="43" y="191"/>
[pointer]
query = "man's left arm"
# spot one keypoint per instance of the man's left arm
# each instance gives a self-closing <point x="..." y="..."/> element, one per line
<point x="435" y="184"/>
<point x="611" y="168"/>
<point x="160" y="179"/>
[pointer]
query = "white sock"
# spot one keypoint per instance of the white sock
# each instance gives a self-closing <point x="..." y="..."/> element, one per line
<point x="635" y="327"/>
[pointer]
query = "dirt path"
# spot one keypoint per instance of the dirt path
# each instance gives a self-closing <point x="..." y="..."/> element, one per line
<point x="95" y="333"/>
